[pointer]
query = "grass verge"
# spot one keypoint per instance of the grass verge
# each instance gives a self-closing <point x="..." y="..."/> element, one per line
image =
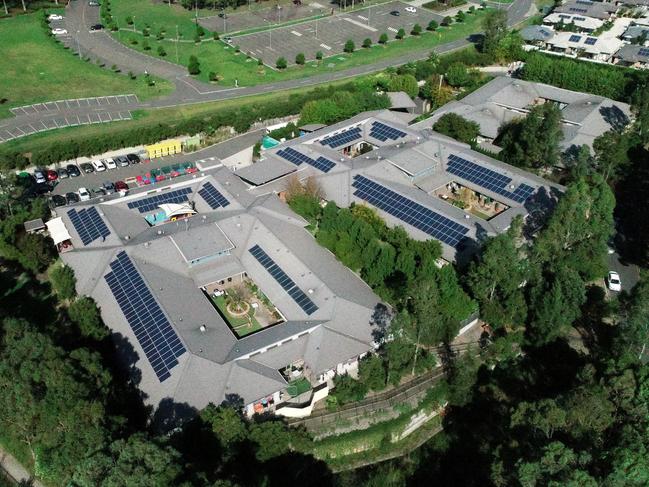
<point x="35" y="68"/>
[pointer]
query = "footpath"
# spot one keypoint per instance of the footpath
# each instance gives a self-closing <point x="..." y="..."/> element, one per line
<point x="15" y="471"/>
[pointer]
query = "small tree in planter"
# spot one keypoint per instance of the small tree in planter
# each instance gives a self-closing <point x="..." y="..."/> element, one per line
<point x="400" y="34"/>
<point x="383" y="39"/>
<point x="432" y="26"/>
<point x="349" y="46"/>
<point x="460" y="16"/>
<point x="281" y="63"/>
<point x="318" y="55"/>
<point x="416" y="30"/>
<point x="193" y="66"/>
<point x="367" y="43"/>
<point x="447" y="21"/>
<point x="300" y="59"/>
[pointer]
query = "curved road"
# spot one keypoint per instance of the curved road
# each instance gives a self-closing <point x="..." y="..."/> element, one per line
<point x="100" y="45"/>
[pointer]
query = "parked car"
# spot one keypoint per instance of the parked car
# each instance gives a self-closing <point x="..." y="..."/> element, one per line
<point x="39" y="189"/>
<point x="52" y="175"/>
<point x="396" y="13"/>
<point x="73" y="171"/>
<point x="87" y="167"/>
<point x="133" y="159"/>
<point x="613" y="280"/>
<point x="108" y="187"/>
<point x="72" y="197"/>
<point x="412" y="10"/>
<point x="40" y="176"/>
<point x="84" y="195"/>
<point x="96" y="27"/>
<point x="59" y="32"/>
<point x="121" y="186"/>
<point x="51" y="17"/>
<point x="228" y="39"/>
<point x="57" y="200"/>
<point x="98" y="166"/>
<point x="63" y="173"/>
<point x="93" y="3"/>
<point x="109" y="163"/>
<point x="121" y="161"/>
<point x="97" y="192"/>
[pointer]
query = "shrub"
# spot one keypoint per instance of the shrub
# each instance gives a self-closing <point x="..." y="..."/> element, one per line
<point x="134" y="42"/>
<point x="367" y="43"/>
<point x="131" y="75"/>
<point x="349" y="46"/>
<point x="215" y="36"/>
<point x="197" y="38"/>
<point x="63" y="281"/>
<point x="193" y="66"/>
<point x="145" y="32"/>
<point x="281" y="63"/>
<point x="161" y="51"/>
<point x="213" y="76"/>
<point x="145" y="45"/>
<point x="457" y="127"/>
<point x="416" y="30"/>
<point x="383" y="38"/>
<point x="432" y="25"/>
<point x="260" y="62"/>
<point x="318" y="55"/>
<point x="447" y="21"/>
<point x="200" y="31"/>
<point x="458" y="75"/>
<point x="300" y="59"/>
<point x="237" y="49"/>
<point x="400" y="34"/>
<point x="460" y="16"/>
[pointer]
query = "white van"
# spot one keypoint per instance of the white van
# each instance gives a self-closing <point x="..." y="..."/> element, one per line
<point x="98" y="165"/>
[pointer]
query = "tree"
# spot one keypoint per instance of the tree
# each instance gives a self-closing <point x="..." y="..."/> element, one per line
<point x="611" y="154"/>
<point x="367" y="43"/>
<point x="193" y="66"/>
<point x="460" y="16"/>
<point x="434" y="91"/>
<point x="371" y="372"/>
<point x="383" y="38"/>
<point x="349" y="46"/>
<point x="35" y="252"/>
<point x="494" y="26"/>
<point x="63" y="281"/>
<point x="318" y="55"/>
<point x="281" y="63"/>
<point x="227" y="424"/>
<point x="84" y="312"/>
<point x="416" y="30"/>
<point x="457" y="127"/>
<point x="404" y="82"/>
<point x="138" y="460"/>
<point x="640" y="108"/>
<point x="300" y="59"/>
<point x="432" y="25"/>
<point x="534" y="140"/>
<point x="497" y="278"/>
<point x="458" y="75"/>
<point x="446" y="21"/>
<point x="545" y="416"/>
<point x="347" y="389"/>
<point x="401" y="33"/>
<point x="272" y="439"/>
<point x="145" y="45"/>
<point x="161" y="51"/>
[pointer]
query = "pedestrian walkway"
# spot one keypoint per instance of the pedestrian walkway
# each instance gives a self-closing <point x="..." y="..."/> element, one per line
<point x="15" y="471"/>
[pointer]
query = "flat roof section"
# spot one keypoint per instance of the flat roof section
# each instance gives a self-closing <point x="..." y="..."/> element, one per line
<point x="201" y="242"/>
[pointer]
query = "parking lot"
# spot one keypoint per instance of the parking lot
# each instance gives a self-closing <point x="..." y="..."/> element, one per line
<point x="99" y="102"/>
<point x="249" y="19"/>
<point x="330" y="34"/>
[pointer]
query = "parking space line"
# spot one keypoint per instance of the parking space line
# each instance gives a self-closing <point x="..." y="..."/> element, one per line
<point x="33" y="128"/>
<point x="22" y="132"/>
<point x="296" y="33"/>
<point x="392" y="29"/>
<point x="325" y="46"/>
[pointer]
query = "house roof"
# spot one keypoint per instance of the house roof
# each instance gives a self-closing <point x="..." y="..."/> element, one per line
<point x="632" y="54"/>
<point x="579" y="20"/>
<point x="596" y="10"/>
<point x="537" y="33"/>
<point x="400" y="99"/>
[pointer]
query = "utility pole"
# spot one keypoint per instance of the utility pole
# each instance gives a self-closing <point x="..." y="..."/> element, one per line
<point x="176" y="43"/>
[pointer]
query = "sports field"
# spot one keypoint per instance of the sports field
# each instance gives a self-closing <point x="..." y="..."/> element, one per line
<point x="34" y="68"/>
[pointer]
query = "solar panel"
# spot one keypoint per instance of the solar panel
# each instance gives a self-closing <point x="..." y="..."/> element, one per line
<point x="643" y="52"/>
<point x="584" y="2"/>
<point x="574" y="38"/>
<point x="151" y="327"/>
<point x="343" y="138"/>
<point x="286" y="282"/>
<point x="488" y="179"/>
<point x="411" y="212"/>
<point x="213" y="196"/>
<point x="590" y="41"/>
<point x="297" y="158"/>
<point x="88" y="224"/>
<point x="383" y="132"/>
<point x="580" y="10"/>
<point x="148" y="204"/>
<point x="564" y="16"/>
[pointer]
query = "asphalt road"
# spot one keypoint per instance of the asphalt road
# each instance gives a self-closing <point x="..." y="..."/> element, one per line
<point x="79" y="16"/>
<point x="629" y="273"/>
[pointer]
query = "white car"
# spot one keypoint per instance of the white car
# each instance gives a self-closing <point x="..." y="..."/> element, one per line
<point x="412" y="10"/>
<point x="54" y="17"/>
<point x="84" y="195"/>
<point x="98" y="165"/>
<point x="59" y="32"/>
<point x="109" y="163"/>
<point x="613" y="280"/>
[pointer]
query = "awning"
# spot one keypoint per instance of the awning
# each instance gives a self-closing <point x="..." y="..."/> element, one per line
<point x="57" y="230"/>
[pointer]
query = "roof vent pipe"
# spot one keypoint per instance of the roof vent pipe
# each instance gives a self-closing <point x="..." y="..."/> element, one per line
<point x="203" y="328"/>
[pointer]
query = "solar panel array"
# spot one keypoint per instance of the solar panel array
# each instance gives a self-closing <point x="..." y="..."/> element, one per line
<point x="488" y="179"/>
<point x="88" y="224"/>
<point x="383" y="132"/>
<point x="584" y="2"/>
<point x="580" y="10"/>
<point x="152" y="329"/>
<point x="643" y="52"/>
<point x="411" y="212"/>
<point x="343" y="138"/>
<point x="213" y="196"/>
<point x="590" y="41"/>
<point x="579" y="19"/>
<point x="297" y="158"/>
<point x="574" y="38"/>
<point x="564" y="16"/>
<point x="148" y="204"/>
<point x="286" y="282"/>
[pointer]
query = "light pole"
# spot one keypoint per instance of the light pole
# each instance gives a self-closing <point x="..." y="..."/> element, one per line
<point x="78" y="47"/>
<point x="176" y="43"/>
<point x="134" y="23"/>
<point x="224" y="27"/>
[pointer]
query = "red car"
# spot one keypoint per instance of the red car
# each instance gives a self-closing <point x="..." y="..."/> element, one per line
<point x="52" y="175"/>
<point x="121" y="186"/>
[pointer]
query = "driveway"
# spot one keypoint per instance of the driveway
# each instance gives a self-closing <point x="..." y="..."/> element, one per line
<point x="629" y="273"/>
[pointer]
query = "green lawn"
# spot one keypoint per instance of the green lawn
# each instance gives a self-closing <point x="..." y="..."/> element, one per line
<point x="34" y="68"/>
<point x="216" y="56"/>
<point x="239" y="325"/>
